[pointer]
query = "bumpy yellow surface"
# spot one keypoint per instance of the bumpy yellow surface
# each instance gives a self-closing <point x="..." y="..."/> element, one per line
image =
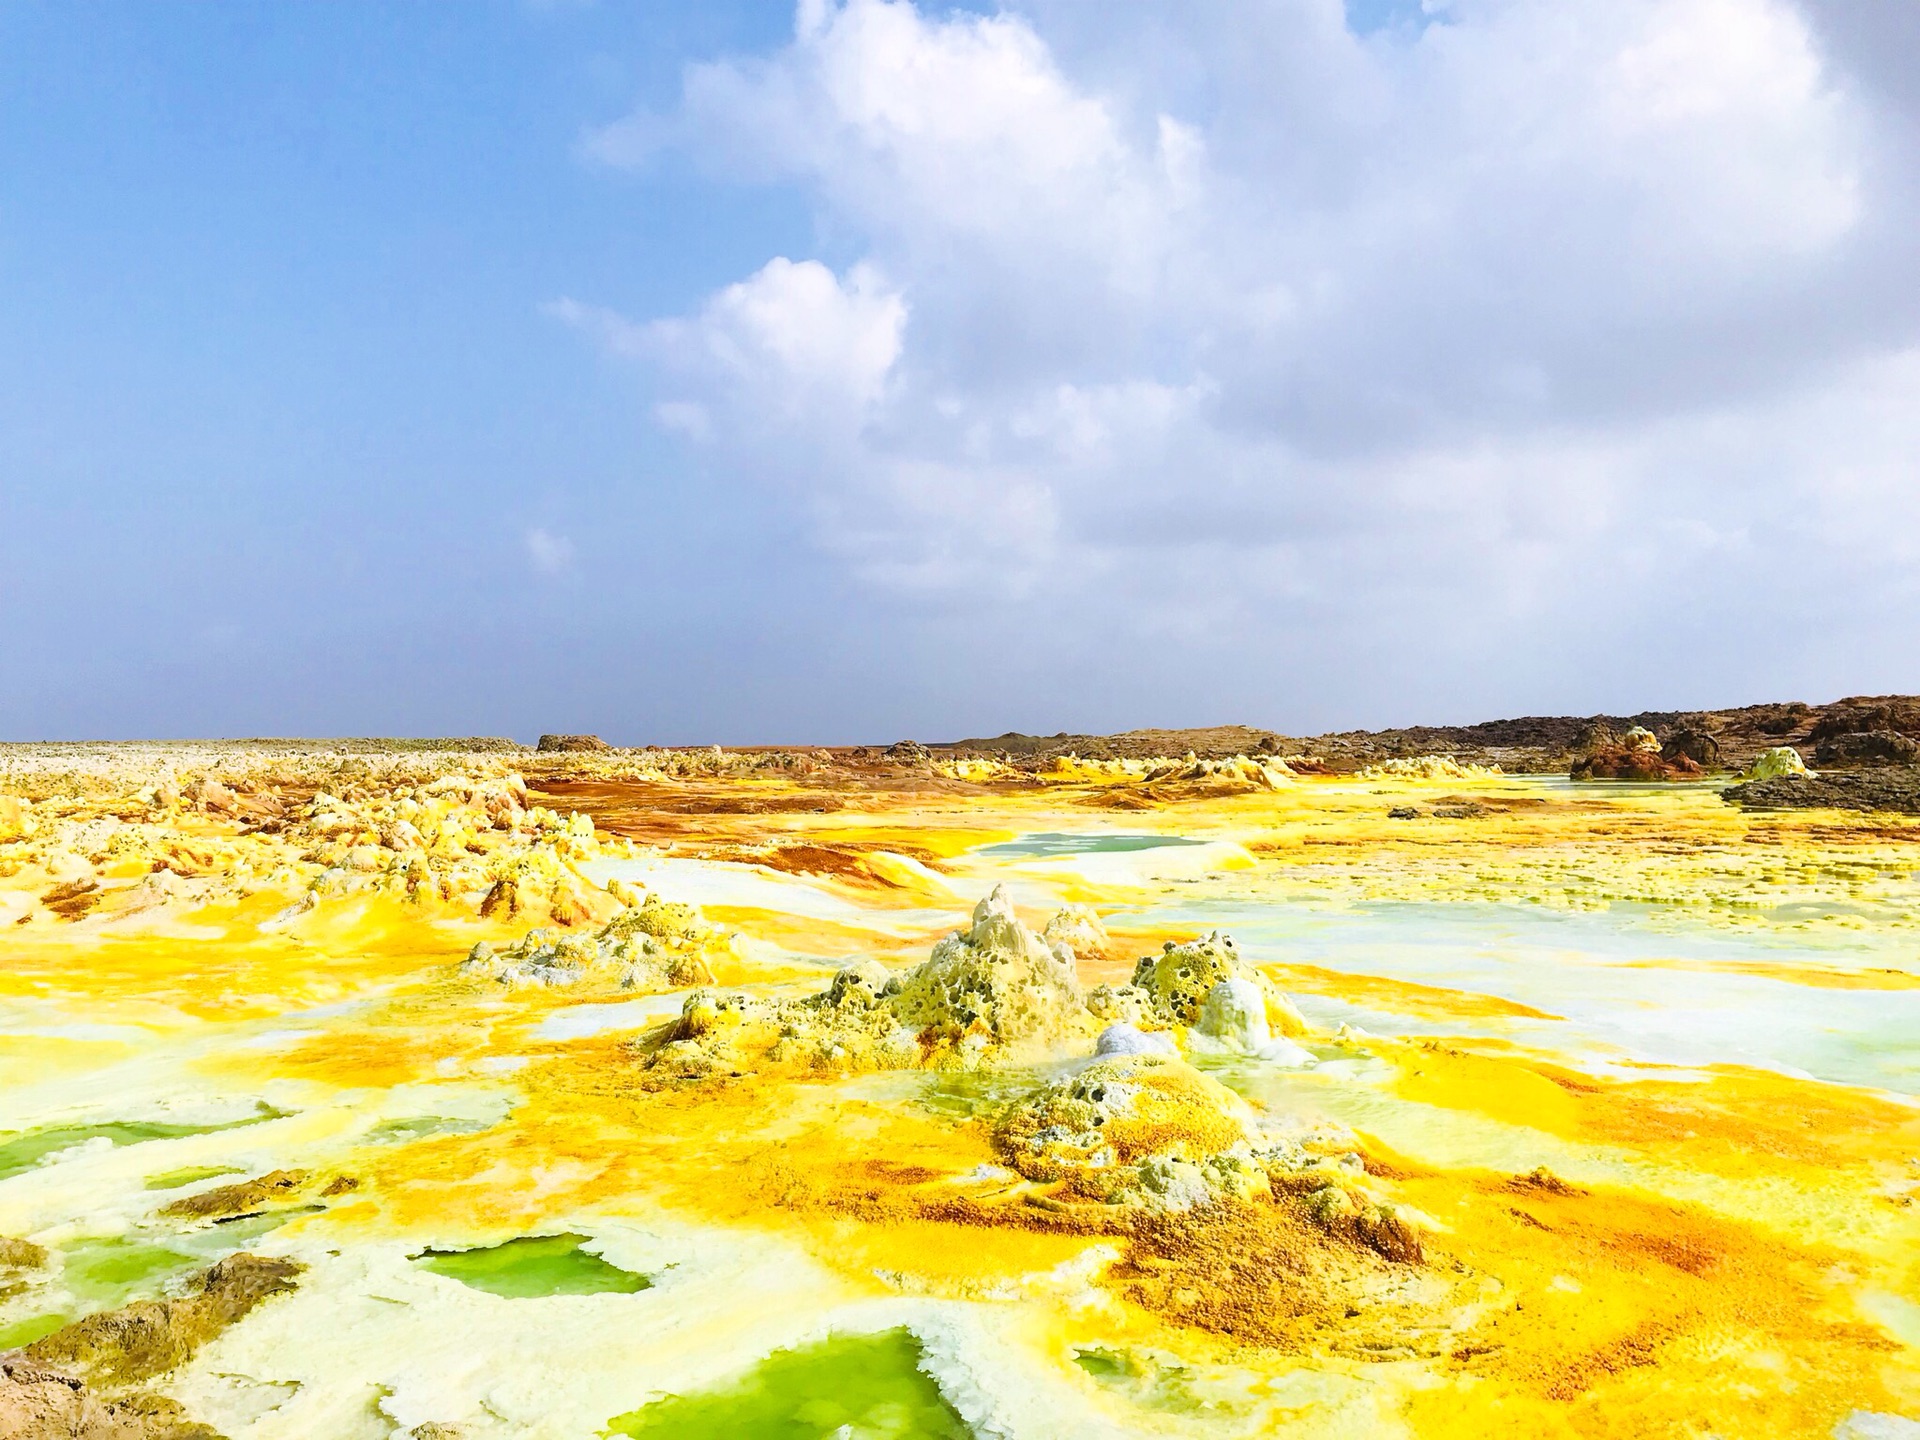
<point x="1638" y="1069"/>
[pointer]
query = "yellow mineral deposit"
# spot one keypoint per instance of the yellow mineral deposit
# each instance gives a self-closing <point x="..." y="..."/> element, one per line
<point x="390" y="1091"/>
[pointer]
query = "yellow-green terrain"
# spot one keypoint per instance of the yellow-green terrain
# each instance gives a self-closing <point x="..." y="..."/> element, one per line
<point x="791" y="1094"/>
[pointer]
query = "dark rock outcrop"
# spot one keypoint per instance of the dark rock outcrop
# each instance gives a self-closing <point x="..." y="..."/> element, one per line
<point x="1866" y="748"/>
<point x="1892" y="789"/>
<point x="1897" y="713"/>
<point x="21" y="1254"/>
<point x="72" y="1384"/>
<point x="151" y="1337"/>
<point x="562" y="744"/>
<point x="42" y="1404"/>
<point x="1697" y="746"/>
<point x="248" y="1197"/>
<point x="1635" y="764"/>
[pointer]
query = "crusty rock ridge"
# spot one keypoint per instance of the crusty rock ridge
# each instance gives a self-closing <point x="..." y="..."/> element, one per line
<point x="992" y="994"/>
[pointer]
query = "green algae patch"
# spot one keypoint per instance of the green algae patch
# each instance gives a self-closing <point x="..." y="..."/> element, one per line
<point x="101" y="1274"/>
<point x="192" y="1174"/>
<point x="1105" y="1364"/>
<point x="25" y="1332"/>
<point x="1150" y="1384"/>
<point x="532" y="1267"/>
<point x="866" y="1387"/>
<point x="23" y="1149"/>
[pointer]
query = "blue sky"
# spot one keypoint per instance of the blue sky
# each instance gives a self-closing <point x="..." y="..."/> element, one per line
<point x="687" y="372"/>
<point x="278" y="402"/>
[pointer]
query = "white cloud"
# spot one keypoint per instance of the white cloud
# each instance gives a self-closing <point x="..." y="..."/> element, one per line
<point x="795" y="335"/>
<point x="794" y="338"/>
<point x="550" y="554"/>
<point x="1175" y="316"/>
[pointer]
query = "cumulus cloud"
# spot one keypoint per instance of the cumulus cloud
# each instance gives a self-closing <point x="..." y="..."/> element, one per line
<point x="1175" y="317"/>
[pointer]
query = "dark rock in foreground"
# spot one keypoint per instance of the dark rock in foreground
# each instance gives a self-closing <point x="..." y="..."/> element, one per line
<point x="151" y="1337"/>
<point x="1896" y="790"/>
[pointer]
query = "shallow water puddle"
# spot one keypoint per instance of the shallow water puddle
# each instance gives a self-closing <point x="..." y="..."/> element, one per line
<point x="1048" y="843"/>
<point x="25" y="1332"/>
<point x="101" y="1274"/>
<point x="21" y="1150"/>
<point x="93" y="1275"/>
<point x="190" y="1175"/>
<point x="1148" y="1384"/>
<point x="533" y="1266"/>
<point x="1600" y="974"/>
<point x="964" y="1094"/>
<point x="421" y="1127"/>
<point x="865" y="1387"/>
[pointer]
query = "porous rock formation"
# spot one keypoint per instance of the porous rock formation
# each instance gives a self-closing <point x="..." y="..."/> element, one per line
<point x="655" y="945"/>
<point x="991" y="994"/>
<point x="247" y="1197"/>
<point x="1894" y="789"/>
<point x="1899" y="714"/>
<point x="21" y="1254"/>
<point x="1207" y="988"/>
<point x="1150" y="1134"/>
<point x="41" y="1404"/>
<point x="1698" y="746"/>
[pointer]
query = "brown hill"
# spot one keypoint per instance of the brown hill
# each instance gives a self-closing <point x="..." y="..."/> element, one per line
<point x="1718" y="739"/>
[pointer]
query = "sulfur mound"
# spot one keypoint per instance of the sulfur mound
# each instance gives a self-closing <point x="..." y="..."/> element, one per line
<point x="652" y="946"/>
<point x="846" y="1027"/>
<point x="997" y="986"/>
<point x="1206" y="987"/>
<point x="993" y="992"/>
<point x="1265" y="773"/>
<point x="1640" y="738"/>
<point x="1149" y="1132"/>
<point x="1077" y="927"/>
<point x="1139" y="1129"/>
<point x="1776" y="763"/>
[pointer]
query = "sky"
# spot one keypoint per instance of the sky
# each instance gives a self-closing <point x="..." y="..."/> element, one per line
<point x="858" y="369"/>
